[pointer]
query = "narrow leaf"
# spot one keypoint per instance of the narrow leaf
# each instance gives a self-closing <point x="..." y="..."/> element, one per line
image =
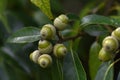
<point x="81" y="75"/>
<point x="25" y="35"/>
<point x="94" y="62"/>
<point x="118" y="78"/>
<point x="110" y="71"/>
<point x="102" y="70"/>
<point x="98" y="19"/>
<point x="95" y="30"/>
<point x="55" y="70"/>
<point x="44" y="5"/>
<point x="3" y="5"/>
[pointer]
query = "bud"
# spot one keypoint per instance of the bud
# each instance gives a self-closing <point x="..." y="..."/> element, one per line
<point x="34" y="56"/>
<point x="48" y="31"/>
<point x="110" y="44"/>
<point x="116" y="33"/>
<point x="59" y="50"/>
<point x="45" y="47"/>
<point x="45" y="60"/>
<point x="104" y="55"/>
<point x="61" y="22"/>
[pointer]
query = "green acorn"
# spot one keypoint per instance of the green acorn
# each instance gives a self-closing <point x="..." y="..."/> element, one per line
<point x="116" y="33"/>
<point x="45" y="47"/>
<point x="61" y="22"/>
<point x="34" y="56"/>
<point x="45" y="60"/>
<point x="59" y="50"/>
<point x="104" y="55"/>
<point x="110" y="44"/>
<point x="48" y="31"/>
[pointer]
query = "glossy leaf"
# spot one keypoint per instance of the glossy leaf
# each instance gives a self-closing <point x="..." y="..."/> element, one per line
<point x="56" y="70"/>
<point x="81" y="75"/>
<point x="44" y="5"/>
<point x="109" y="72"/>
<point x="25" y="35"/>
<point x="98" y="19"/>
<point x="118" y="78"/>
<point x="101" y="72"/>
<point x="95" y="30"/>
<point x="94" y="62"/>
<point x="68" y="68"/>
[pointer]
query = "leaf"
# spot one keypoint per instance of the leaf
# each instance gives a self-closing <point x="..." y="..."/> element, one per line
<point x="94" y="62"/>
<point x="44" y="5"/>
<point x="56" y="70"/>
<point x="80" y="72"/>
<point x="3" y="5"/>
<point x="98" y="19"/>
<point x="73" y="17"/>
<point x="95" y="30"/>
<point x="12" y="67"/>
<point x="118" y="78"/>
<point x="102" y="70"/>
<point x="109" y="71"/>
<point x="25" y="35"/>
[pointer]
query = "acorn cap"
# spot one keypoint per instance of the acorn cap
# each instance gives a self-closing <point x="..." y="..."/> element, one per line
<point x="116" y="33"/>
<point x="59" y="50"/>
<point x="48" y="31"/>
<point x="110" y="43"/>
<point x="104" y="55"/>
<point x="45" y="47"/>
<point x="34" y="56"/>
<point x="45" y="60"/>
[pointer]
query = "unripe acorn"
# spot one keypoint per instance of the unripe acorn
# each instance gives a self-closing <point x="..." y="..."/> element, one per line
<point x="61" y="22"/>
<point x="110" y="44"/>
<point x="116" y="33"/>
<point x="45" y="60"/>
<point x="104" y="55"/>
<point x="59" y="50"/>
<point x="45" y="47"/>
<point x="48" y="31"/>
<point x="34" y="56"/>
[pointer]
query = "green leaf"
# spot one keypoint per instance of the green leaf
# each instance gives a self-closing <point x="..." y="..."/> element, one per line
<point x="94" y="62"/>
<point x="73" y="17"/>
<point x="118" y="78"/>
<point x="3" y="5"/>
<point x="109" y="72"/>
<point x="44" y="5"/>
<point x="25" y="35"/>
<point x="56" y="69"/>
<point x="95" y="30"/>
<point x="98" y="19"/>
<point x="80" y="72"/>
<point x="102" y="70"/>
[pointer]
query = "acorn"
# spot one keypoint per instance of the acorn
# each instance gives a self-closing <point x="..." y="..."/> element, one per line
<point x="61" y="22"/>
<point x="104" y="55"/>
<point x="59" y="50"/>
<point x="48" y="31"/>
<point x="116" y="33"/>
<point x="45" y="60"/>
<point x="110" y="44"/>
<point x="34" y="56"/>
<point x="45" y="47"/>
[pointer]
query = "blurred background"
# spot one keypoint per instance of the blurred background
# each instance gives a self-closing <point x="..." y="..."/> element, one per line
<point x="16" y="14"/>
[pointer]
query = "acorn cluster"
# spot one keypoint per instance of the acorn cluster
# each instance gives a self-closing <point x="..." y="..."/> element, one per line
<point x="42" y="56"/>
<point x="110" y="45"/>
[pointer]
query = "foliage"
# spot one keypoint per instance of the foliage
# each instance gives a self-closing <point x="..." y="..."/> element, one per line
<point x="89" y="23"/>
